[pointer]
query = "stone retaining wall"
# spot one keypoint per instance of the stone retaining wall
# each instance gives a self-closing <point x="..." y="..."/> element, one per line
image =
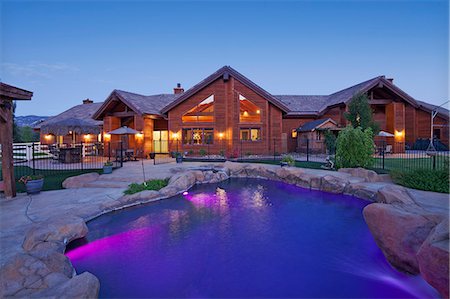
<point x="412" y="239"/>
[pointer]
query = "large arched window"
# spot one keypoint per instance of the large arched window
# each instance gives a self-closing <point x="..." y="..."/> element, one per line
<point x="248" y="112"/>
<point x="203" y="112"/>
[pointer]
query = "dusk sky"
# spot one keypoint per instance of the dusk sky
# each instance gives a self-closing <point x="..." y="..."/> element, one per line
<point x="68" y="51"/>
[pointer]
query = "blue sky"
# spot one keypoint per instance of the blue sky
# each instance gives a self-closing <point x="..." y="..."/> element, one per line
<point x="67" y="51"/>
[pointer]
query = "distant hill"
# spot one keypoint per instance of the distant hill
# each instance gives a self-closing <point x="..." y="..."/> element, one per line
<point x="29" y="120"/>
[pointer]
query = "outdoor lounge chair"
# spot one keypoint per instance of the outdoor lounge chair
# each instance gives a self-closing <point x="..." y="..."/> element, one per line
<point x="388" y="149"/>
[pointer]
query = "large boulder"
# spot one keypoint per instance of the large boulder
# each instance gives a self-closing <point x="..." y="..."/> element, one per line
<point x="398" y="233"/>
<point x="79" y="181"/>
<point x="394" y="194"/>
<point x="367" y="175"/>
<point x="236" y="169"/>
<point x="59" y="231"/>
<point x="333" y="184"/>
<point x="362" y="190"/>
<point x="433" y="258"/>
<point x="85" y="285"/>
<point x="182" y="181"/>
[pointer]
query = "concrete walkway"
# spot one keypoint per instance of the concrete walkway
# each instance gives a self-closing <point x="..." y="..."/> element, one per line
<point x="18" y="214"/>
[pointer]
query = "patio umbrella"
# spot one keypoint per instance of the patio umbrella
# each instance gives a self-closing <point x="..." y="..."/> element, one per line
<point x="385" y="134"/>
<point x="123" y="131"/>
<point x="74" y="125"/>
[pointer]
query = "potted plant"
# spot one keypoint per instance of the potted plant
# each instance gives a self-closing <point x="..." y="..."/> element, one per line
<point x="107" y="167"/>
<point x="179" y="157"/>
<point x="33" y="183"/>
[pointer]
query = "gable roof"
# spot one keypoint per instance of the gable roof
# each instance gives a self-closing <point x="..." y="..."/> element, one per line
<point x="225" y="72"/>
<point x="312" y="125"/>
<point x="443" y="112"/>
<point x="140" y="104"/>
<point x="83" y="112"/>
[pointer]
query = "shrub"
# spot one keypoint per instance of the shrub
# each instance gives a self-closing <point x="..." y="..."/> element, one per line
<point x="156" y="184"/>
<point x="222" y="153"/>
<point x="330" y="141"/>
<point x="354" y="148"/>
<point x="423" y="179"/>
<point x="289" y="160"/>
<point x="202" y="152"/>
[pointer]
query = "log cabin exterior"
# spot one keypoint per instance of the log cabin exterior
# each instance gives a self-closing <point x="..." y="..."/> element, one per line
<point x="228" y="114"/>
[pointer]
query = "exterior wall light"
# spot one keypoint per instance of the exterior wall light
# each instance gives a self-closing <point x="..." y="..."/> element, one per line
<point x="220" y="135"/>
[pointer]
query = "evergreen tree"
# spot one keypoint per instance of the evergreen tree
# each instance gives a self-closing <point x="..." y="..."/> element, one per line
<point x="360" y="114"/>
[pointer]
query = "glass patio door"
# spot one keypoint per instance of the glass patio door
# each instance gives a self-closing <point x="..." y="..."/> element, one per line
<point x="161" y="141"/>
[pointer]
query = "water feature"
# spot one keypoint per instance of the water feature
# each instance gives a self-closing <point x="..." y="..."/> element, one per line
<point x="242" y="238"/>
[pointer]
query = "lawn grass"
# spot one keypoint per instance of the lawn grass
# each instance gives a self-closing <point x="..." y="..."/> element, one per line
<point x="52" y="178"/>
<point x="302" y="164"/>
<point x="409" y="163"/>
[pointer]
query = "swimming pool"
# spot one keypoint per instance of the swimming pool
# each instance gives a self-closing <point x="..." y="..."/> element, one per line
<point x="242" y="238"/>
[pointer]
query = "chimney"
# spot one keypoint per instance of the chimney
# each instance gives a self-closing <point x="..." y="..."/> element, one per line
<point x="390" y="80"/>
<point x="88" y="101"/>
<point x="178" y="89"/>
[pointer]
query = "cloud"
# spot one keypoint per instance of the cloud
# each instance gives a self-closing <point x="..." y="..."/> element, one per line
<point x="37" y="69"/>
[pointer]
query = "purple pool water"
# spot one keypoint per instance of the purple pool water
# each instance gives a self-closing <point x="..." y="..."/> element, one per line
<point x="242" y="238"/>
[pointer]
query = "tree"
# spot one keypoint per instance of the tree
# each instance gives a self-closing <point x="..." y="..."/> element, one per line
<point x="330" y="141"/>
<point x="360" y="114"/>
<point x="354" y="148"/>
<point x="28" y="135"/>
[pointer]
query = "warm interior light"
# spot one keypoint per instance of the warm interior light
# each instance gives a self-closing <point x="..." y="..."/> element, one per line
<point x="174" y="135"/>
<point x="87" y="136"/>
<point x="399" y="134"/>
<point x="245" y="113"/>
<point x="48" y="137"/>
<point x="258" y="111"/>
<point x="139" y="135"/>
<point x="107" y="136"/>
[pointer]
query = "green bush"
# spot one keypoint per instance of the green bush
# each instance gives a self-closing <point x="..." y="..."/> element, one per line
<point x="148" y="185"/>
<point x="354" y="148"/>
<point x="330" y="141"/>
<point x="202" y="152"/>
<point x="289" y="160"/>
<point x="423" y="179"/>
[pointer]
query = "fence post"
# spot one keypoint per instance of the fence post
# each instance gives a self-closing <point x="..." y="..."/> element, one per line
<point x="121" y="154"/>
<point x="241" y="151"/>
<point x="382" y="151"/>
<point x="307" y="150"/>
<point x="109" y="151"/>
<point x="82" y="154"/>
<point x="434" y="162"/>
<point x="34" y="163"/>
<point x="274" y="152"/>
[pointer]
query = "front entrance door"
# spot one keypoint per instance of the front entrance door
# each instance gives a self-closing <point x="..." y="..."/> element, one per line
<point x="161" y="141"/>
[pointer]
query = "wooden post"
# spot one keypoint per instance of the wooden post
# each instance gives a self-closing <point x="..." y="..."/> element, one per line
<point x="8" y="93"/>
<point x="6" y="136"/>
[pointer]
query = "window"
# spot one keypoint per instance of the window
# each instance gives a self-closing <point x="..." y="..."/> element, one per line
<point x="250" y="134"/>
<point x="294" y="133"/>
<point x="198" y="136"/>
<point x="203" y="112"/>
<point x="318" y="135"/>
<point x="248" y="112"/>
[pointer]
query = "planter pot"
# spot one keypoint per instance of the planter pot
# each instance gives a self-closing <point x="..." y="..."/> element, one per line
<point x="179" y="159"/>
<point x="34" y="186"/>
<point x="107" y="169"/>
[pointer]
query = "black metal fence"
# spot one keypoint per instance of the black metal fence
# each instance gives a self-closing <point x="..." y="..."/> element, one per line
<point x="53" y="159"/>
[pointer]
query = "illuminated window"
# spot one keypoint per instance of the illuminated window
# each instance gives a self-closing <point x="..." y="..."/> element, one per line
<point x="198" y="136"/>
<point x="248" y="112"/>
<point x="203" y="112"/>
<point x="250" y="134"/>
<point x="294" y="133"/>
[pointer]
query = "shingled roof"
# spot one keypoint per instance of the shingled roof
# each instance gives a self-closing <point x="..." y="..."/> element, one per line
<point x="82" y="111"/>
<point x="430" y="107"/>
<point x="312" y="125"/>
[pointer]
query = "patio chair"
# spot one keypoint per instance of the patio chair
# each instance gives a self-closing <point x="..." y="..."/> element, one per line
<point x="388" y="149"/>
<point x="54" y="151"/>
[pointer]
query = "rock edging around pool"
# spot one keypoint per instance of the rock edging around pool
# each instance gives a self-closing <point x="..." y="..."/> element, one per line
<point x="43" y="270"/>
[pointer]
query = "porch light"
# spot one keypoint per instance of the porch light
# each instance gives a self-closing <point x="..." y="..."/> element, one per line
<point x="220" y="135"/>
<point x="175" y="136"/>
<point x="258" y="111"/>
<point x="399" y="134"/>
<point x="87" y="136"/>
<point x="48" y="137"/>
<point x="107" y="136"/>
<point x="139" y="135"/>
